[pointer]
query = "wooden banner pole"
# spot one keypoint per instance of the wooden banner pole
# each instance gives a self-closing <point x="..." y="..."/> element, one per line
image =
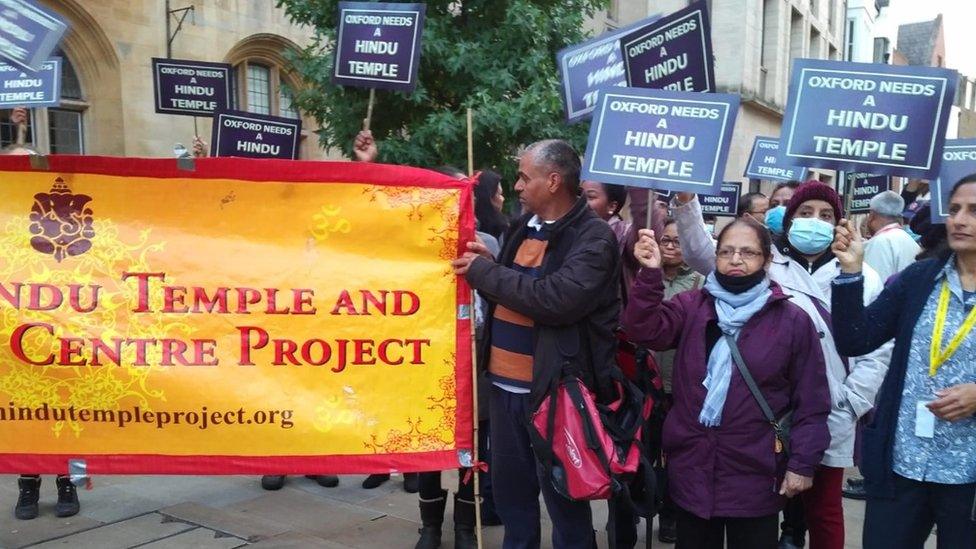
<point x="470" y="142"/>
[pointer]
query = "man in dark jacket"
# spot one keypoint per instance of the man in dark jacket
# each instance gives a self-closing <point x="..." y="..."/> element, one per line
<point x="554" y="302"/>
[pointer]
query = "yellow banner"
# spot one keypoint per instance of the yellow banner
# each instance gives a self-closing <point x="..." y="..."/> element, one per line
<point x="251" y="316"/>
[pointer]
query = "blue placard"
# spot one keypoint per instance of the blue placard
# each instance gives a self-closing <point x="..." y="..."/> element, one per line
<point x="29" y="33"/>
<point x="883" y="119"/>
<point x="20" y="87"/>
<point x="661" y="139"/>
<point x="958" y="161"/>
<point x="725" y="203"/>
<point x="378" y="45"/>
<point x="191" y="88"/>
<point x="586" y="67"/>
<point x="766" y="163"/>
<point x="255" y="135"/>
<point x="864" y="187"/>
<point x="673" y="53"/>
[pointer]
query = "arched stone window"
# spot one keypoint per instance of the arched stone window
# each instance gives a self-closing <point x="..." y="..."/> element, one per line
<point x="264" y="78"/>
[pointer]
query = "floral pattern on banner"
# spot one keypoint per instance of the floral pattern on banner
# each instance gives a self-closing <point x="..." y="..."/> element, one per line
<point x="415" y="201"/>
<point x="417" y="437"/>
<point x="87" y="387"/>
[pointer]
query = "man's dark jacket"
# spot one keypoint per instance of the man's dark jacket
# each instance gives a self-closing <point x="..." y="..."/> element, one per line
<point x="574" y="302"/>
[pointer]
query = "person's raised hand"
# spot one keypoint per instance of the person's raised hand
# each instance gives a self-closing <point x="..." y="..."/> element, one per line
<point x="683" y="198"/>
<point x="365" y="147"/>
<point x="18" y="116"/>
<point x="848" y="247"/>
<point x="647" y="252"/>
<point x="793" y="484"/>
<point x="200" y="149"/>
<point x="955" y="403"/>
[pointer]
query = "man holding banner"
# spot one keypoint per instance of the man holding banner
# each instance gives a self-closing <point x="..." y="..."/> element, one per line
<point x="553" y="290"/>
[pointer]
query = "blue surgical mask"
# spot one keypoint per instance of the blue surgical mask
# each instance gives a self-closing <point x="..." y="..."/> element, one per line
<point x="774" y="219"/>
<point x="810" y="236"/>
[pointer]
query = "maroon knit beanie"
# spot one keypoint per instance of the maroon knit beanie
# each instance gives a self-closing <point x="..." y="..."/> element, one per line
<point x="813" y="190"/>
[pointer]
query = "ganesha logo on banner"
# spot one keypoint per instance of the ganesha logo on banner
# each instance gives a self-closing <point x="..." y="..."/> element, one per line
<point x="61" y="222"/>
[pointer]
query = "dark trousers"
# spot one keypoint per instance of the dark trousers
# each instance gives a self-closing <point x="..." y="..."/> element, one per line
<point x="794" y="521"/>
<point x="430" y="486"/>
<point x="905" y="521"/>
<point x="695" y="532"/>
<point x="517" y="480"/>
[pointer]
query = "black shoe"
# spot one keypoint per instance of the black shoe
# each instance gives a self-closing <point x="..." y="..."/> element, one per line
<point x="375" y="481"/>
<point x="272" y="482"/>
<point x="464" y="525"/>
<point x="667" y="530"/>
<point x="328" y="481"/>
<point x="788" y="542"/>
<point x="30" y="492"/>
<point x="68" y="505"/>
<point x="855" y="489"/>
<point x="432" y="517"/>
<point x="411" y="483"/>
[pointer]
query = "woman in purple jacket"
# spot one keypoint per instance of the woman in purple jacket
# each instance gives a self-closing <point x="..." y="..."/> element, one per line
<point x="727" y="473"/>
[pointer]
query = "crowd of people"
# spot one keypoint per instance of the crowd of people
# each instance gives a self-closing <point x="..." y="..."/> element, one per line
<point x="791" y="346"/>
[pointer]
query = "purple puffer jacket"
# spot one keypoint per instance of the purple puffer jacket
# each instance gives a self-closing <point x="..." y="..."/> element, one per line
<point x="732" y="470"/>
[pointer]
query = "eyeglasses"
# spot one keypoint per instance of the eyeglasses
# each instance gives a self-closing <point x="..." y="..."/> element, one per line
<point x="670" y="242"/>
<point x="745" y="253"/>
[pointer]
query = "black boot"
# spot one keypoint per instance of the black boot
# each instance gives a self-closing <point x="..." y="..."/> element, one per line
<point x="30" y="491"/>
<point x="68" y="505"/>
<point x="272" y="482"/>
<point x="432" y="516"/>
<point x="411" y="483"/>
<point x="464" y="524"/>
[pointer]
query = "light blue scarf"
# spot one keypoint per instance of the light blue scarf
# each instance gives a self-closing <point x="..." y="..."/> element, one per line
<point x="733" y="311"/>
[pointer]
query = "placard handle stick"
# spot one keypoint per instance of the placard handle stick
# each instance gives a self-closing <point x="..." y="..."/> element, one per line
<point x="476" y="457"/>
<point x="196" y="132"/>
<point x="650" y="209"/>
<point x="22" y="133"/>
<point x="470" y="142"/>
<point x="369" y="109"/>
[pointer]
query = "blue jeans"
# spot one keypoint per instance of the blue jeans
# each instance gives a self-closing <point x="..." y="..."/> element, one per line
<point x="517" y="479"/>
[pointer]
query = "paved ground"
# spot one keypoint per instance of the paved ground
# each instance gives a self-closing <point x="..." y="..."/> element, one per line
<point x="227" y="512"/>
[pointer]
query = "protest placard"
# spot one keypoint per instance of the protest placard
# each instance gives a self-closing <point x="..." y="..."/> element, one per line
<point x="882" y="119"/>
<point x="586" y="67"/>
<point x="863" y="187"/>
<point x="958" y="161"/>
<point x="255" y="136"/>
<point x="765" y="162"/>
<point x="248" y="317"/>
<point x="673" y="53"/>
<point x="20" y="87"/>
<point x="661" y="139"/>
<point x="725" y="204"/>
<point x="378" y="45"/>
<point x="191" y="88"/>
<point x="29" y="33"/>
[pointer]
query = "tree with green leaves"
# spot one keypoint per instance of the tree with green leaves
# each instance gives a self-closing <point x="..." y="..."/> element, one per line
<point x="495" y="56"/>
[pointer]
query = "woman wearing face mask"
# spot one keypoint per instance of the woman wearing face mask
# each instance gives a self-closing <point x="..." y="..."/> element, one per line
<point x="728" y="473"/>
<point x="804" y="266"/>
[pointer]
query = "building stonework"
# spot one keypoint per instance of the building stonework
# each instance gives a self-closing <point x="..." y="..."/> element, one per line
<point x="110" y="44"/>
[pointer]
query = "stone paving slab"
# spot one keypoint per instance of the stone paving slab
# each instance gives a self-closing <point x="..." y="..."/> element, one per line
<point x="198" y="538"/>
<point x="236" y="524"/>
<point x="127" y="533"/>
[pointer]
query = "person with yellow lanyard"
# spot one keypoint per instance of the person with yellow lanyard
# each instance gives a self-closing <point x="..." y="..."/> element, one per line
<point x="919" y="461"/>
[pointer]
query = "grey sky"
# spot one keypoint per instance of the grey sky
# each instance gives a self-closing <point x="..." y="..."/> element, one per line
<point x="958" y="17"/>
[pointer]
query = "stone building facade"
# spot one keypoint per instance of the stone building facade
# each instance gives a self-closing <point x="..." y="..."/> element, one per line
<point x="107" y="95"/>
